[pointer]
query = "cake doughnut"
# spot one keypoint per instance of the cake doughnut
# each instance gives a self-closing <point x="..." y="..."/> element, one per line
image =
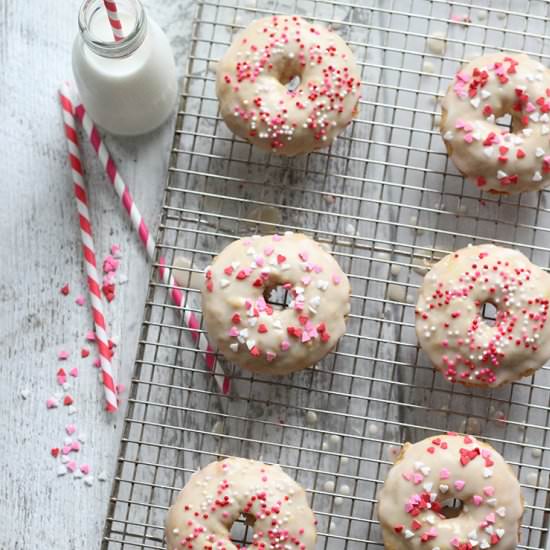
<point x="453" y="332"/>
<point x="266" y="338"/>
<point x="216" y="496"/>
<point x="255" y="77"/>
<point x="495" y="158"/>
<point x="412" y="503"/>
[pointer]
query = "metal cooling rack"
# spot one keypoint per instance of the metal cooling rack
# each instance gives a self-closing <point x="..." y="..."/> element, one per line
<point x="388" y="202"/>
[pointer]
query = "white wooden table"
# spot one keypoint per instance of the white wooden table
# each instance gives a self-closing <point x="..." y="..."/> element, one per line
<point x="41" y="252"/>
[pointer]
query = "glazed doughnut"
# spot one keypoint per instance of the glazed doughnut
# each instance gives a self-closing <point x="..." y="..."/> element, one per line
<point x="262" y="337"/>
<point x="451" y="328"/>
<point x="498" y="159"/>
<point x="253" y="89"/>
<point x="411" y="505"/>
<point x="216" y="496"/>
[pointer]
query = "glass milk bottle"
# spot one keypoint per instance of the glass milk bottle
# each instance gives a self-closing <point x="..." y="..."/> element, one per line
<point x="129" y="86"/>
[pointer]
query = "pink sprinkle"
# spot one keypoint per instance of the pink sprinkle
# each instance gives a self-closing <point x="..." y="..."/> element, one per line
<point x="74" y="372"/>
<point x="270" y="356"/>
<point x="66" y="449"/>
<point x="459" y="124"/>
<point x="52" y="403"/>
<point x="530" y="107"/>
<point x="115" y="250"/>
<point x="303" y="255"/>
<point x="233" y="332"/>
<point x="268" y="250"/>
<point x="305" y="280"/>
<point x="485" y="453"/>
<point x="444" y="473"/>
<point x="407" y="476"/>
<point x="477" y="500"/>
<point x="417" y="478"/>
<point x="90" y="336"/>
<point x="71" y="465"/>
<point x="459" y="484"/>
<point x="336" y="279"/>
<point x="463" y="76"/>
<point x="110" y="264"/>
<point x="489" y="491"/>
<point x="455" y="542"/>
<point x="85" y="469"/>
<point x="120" y="388"/>
<point x="468" y="138"/>
<point x="490" y="518"/>
<point x="285" y="345"/>
<point x="75" y="446"/>
<point x="277" y="238"/>
<point x="80" y="300"/>
<point x="96" y="362"/>
<point x="63" y="355"/>
<point x="70" y="429"/>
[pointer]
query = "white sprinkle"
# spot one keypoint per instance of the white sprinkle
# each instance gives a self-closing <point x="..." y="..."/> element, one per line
<point x="102" y="476"/>
<point x="443" y="488"/>
<point x="89" y="480"/>
<point x="409" y="534"/>
<point x="544" y="130"/>
<point x="72" y="410"/>
<point x="485" y="94"/>
<point x="475" y="102"/>
<point x="25" y="393"/>
<point x="428" y="67"/>
<point x="539" y="152"/>
<point x="234" y="347"/>
<point x="311" y="418"/>
<point x="122" y="279"/>
<point x="536" y="452"/>
<point x="448" y="135"/>
<point x="436" y="43"/>
<point x="537" y="176"/>
<point x="344" y="490"/>
<point x="78" y="474"/>
<point x="501" y="174"/>
<point x="373" y="429"/>
<point x="350" y="229"/>
<point x="217" y="428"/>
<point x="225" y="283"/>
<point x="501" y="512"/>
<point x="329" y="486"/>
<point x="396" y="293"/>
<point x="61" y="470"/>
<point x="82" y="437"/>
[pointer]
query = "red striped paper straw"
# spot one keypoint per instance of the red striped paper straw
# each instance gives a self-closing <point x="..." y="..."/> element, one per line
<point x="146" y="238"/>
<point x="114" y="19"/>
<point x="88" y="249"/>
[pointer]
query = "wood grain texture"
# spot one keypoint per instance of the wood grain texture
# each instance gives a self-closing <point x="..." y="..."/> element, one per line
<point x="40" y="251"/>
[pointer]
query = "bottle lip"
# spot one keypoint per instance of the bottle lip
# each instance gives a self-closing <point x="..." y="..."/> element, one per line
<point x="112" y="49"/>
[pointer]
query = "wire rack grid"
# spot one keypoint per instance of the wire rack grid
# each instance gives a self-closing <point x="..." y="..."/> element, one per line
<point x="387" y="202"/>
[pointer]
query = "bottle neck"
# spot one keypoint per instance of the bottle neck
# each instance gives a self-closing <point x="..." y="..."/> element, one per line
<point x="92" y="16"/>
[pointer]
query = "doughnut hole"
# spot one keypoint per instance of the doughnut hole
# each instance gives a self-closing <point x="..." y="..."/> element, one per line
<point x="290" y="74"/>
<point x="489" y="313"/>
<point x="277" y="296"/>
<point x="242" y="530"/>
<point x="452" y="508"/>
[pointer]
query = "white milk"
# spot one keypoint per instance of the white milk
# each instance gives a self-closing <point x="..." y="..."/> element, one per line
<point x="128" y="87"/>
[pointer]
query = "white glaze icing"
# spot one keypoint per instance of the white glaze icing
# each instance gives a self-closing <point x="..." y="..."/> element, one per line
<point x="437" y="469"/>
<point x="216" y="496"/>
<point x="253" y="75"/>
<point x="491" y="156"/>
<point x="452" y="331"/>
<point x="264" y="338"/>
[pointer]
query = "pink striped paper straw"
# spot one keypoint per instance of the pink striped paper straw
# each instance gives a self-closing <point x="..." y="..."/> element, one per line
<point x="88" y="249"/>
<point x="114" y="19"/>
<point x="146" y="238"/>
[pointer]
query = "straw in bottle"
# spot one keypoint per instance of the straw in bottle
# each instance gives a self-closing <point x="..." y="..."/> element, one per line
<point x="114" y="19"/>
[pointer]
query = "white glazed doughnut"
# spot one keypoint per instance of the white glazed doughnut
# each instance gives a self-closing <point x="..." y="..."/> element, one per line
<point x="252" y="85"/>
<point x="216" y="496"/>
<point x="265" y="338"/>
<point x="452" y="331"/>
<point x="412" y="502"/>
<point x="495" y="158"/>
